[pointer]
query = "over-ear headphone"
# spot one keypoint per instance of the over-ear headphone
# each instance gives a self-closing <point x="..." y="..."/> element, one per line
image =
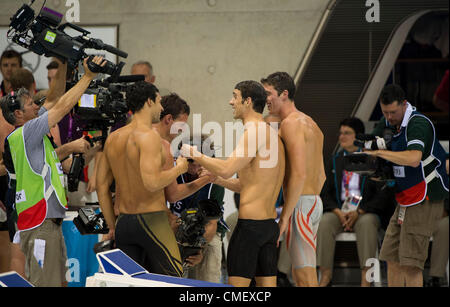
<point x="13" y="102"/>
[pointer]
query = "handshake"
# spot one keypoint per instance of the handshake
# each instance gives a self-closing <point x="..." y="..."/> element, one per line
<point x="190" y="152"/>
<point x="187" y="156"/>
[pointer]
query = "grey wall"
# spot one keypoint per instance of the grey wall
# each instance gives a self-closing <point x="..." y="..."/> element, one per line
<point x="202" y="48"/>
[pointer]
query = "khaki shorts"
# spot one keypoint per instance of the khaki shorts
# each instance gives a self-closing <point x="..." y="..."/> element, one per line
<point x="45" y="255"/>
<point x="210" y="268"/>
<point x="407" y="244"/>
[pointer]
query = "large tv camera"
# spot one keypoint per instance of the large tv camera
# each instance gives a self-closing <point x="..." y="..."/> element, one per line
<point x="44" y="35"/>
<point x="373" y="167"/>
<point x="192" y="224"/>
<point x="103" y="105"/>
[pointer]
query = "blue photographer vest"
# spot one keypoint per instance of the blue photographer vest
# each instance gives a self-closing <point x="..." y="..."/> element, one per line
<point x="412" y="182"/>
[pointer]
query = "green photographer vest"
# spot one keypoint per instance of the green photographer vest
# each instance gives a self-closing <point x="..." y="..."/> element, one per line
<point x="31" y="196"/>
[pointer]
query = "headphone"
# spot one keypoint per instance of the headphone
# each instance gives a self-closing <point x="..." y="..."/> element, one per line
<point x="13" y="102"/>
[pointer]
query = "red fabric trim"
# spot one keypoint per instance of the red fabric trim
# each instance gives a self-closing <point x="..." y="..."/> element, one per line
<point x="33" y="216"/>
<point x="413" y="195"/>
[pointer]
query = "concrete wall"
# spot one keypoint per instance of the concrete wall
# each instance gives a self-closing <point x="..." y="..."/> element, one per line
<point x="202" y="48"/>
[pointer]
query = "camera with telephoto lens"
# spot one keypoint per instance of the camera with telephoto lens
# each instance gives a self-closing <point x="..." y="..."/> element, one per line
<point x="192" y="224"/>
<point x="44" y="35"/>
<point x="104" y="103"/>
<point x="368" y="165"/>
<point x="88" y="222"/>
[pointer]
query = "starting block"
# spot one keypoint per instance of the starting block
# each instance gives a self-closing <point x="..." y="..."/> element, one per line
<point x="119" y="270"/>
<point x="13" y="280"/>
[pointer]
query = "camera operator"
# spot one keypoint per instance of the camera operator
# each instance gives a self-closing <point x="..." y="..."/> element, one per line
<point x="209" y="267"/>
<point x="37" y="173"/>
<point x="23" y="78"/>
<point x="421" y="186"/>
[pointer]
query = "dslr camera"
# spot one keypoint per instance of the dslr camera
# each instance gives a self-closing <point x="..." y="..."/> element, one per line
<point x="373" y="167"/>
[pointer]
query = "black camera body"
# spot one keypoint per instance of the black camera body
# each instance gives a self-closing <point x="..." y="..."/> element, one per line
<point x="368" y="165"/>
<point x="89" y="222"/>
<point x="49" y="39"/>
<point x="190" y="232"/>
<point x="104" y="103"/>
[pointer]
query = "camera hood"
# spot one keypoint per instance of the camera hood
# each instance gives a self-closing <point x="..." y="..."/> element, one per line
<point x="210" y="208"/>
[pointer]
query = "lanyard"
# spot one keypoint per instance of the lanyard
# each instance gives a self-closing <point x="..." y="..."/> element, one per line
<point x="348" y="176"/>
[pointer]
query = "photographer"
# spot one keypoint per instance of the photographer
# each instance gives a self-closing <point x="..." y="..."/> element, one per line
<point x="373" y="212"/>
<point x="209" y="267"/>
<point x="36" y="170"/>
<point x="421" y="186"/>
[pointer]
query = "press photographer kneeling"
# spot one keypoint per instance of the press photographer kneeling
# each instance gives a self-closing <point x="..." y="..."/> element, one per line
<point x="418" y="163"/>
<point x="40" y="196"/>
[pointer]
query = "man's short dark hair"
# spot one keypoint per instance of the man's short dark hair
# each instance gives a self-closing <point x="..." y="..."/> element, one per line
<point x="175" y="106"/>
<point x="139" y="93"/>
<point x="9" y="54"/>
<point x="392" y="93"/>
<point x="22" y="78"/>
<point x="256" y="92"/>
<point x="281" y="81"/>
<point x="355" y="123"/>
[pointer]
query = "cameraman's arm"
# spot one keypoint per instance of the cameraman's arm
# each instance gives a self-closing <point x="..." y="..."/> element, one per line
<point x="406" y="158"/>
<point x="69" y="100"/>
<point x="57" y="87"/>
<point x="78" y="146"/>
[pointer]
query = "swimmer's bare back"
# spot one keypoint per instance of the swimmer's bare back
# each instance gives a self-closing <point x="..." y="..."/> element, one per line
<point x="300" y="125"/>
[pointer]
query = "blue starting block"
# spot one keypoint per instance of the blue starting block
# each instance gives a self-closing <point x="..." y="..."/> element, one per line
<point x="119" y="270"/>
<point x="13" y="280"/>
